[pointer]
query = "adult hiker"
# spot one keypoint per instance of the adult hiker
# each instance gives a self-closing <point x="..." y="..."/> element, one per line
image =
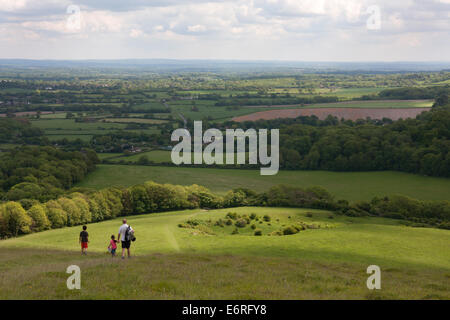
<point x="126" y="235"/>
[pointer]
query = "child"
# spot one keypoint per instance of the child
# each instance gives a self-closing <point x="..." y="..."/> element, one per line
<point x="84" y="239"/>
<point x="112" y="246"/>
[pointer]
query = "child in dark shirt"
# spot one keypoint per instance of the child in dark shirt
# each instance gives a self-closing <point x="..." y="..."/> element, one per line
<point x="84" y="239"/>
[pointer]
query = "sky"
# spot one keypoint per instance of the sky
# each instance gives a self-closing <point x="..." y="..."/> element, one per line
<point x="292" y="30"/>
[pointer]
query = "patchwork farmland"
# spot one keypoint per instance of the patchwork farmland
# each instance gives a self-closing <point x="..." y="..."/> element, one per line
<point x="90" y="148"/>
<point x="345" y="113"/>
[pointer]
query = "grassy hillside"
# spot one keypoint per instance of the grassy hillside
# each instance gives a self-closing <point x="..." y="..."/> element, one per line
<point x="157" y="156"/>
<point x="344" y="185"/>
<point x="174" y="262"/>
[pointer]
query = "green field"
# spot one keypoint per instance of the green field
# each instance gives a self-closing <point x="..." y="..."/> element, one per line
<point x="207" y="109"/>
<point x="57" y="115"/>
<point x="350" y="93"/>
<point x="56" y="128"/>
<point x="8" y="146"/>
<point x="70" y="124"/>
<point x="157" y="156"/>
<point x="344" y="185"/>
<point x="171" y="262"/>
<point x="134" y="120"/>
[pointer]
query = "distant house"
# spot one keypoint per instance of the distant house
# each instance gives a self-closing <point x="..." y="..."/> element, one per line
<point x="130" y="149"/>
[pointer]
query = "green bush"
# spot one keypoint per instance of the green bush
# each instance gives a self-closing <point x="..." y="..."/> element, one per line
<point x="240" y="223"/>
<point x="232" y="215"/>
<point x="290" y="230"/>
<point x="235" y="231"/>
<point x="83" y="206"/>
<point x="220" y="223"/>
<point x="444" y="225"/>
<point x="353" y="213"/>
<point x="73" y="212"/>
<point x="194" y="222"/>
<point x="276" y="233"/>
<point x="39" y="217"/>
<point x="266" y="218"/>
<point x="14" y="220"/>
<point x="28" y="203"/>
<point x="258" y="232"/>
<point x="56" y="214"/>
<point x="253" y="226"/>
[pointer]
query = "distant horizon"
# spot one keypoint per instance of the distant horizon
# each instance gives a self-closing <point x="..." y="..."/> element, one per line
<point x="230" y="30"/>
<point x="227" y="59"/>
<point x="226" y="65"/>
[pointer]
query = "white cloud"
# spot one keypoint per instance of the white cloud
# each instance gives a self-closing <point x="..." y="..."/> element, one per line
<point x="136" y="33"/>
<point x="12" y="5"/>
<point x="197" y="28"/>
<point x="235" y="27"/>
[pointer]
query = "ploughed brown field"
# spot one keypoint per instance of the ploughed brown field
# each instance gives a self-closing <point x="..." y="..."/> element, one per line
<point x="346" y="113"/>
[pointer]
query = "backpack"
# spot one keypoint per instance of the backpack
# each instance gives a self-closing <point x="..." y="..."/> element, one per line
<point x="129" y="234"/>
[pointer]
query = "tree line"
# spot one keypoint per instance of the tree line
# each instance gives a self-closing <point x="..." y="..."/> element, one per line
<point x="28" y="215"/>
<point x="42" y="173"/>
<point x="19" y="132"/>
<point x="274" y="100"/>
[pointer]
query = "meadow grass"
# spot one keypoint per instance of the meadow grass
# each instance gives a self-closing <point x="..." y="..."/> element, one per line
<point x="159" y="156"/>
<point x="57" y="115"/>
<point x="179" y="263"/>
<point x="343" y="185"/>
<point x="350" y="93"/>
<point x="207" y="109"/>
<point x="107" y="155"/>
<point x="70" y="124"/>
<point x="134" y="120"/>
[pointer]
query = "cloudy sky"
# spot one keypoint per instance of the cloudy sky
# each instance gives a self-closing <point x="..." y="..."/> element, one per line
<point x="303" y="30"/>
